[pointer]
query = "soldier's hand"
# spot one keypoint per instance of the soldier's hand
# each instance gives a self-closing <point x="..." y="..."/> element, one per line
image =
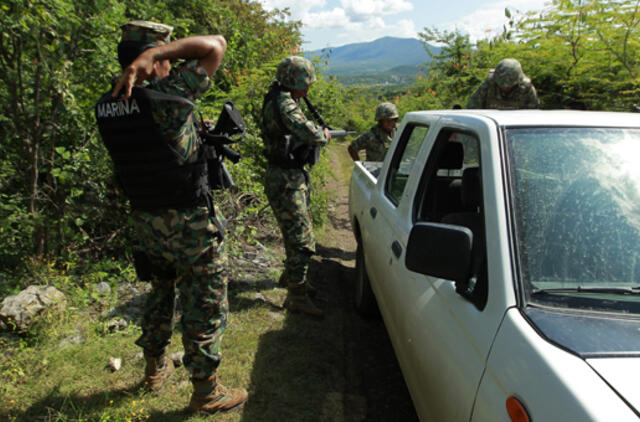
<point x="135" y="73"/>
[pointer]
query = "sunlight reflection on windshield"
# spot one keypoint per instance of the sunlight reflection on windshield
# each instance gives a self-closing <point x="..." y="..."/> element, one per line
<point x="619" y="172"/>
<point x="577" y="205"/>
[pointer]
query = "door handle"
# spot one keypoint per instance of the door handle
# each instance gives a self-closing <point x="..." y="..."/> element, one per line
<point x="373" y="212"/>
<point x="396" y="248"/>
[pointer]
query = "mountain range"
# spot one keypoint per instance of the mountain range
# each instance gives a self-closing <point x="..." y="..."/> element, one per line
<point x="385" y="60"/>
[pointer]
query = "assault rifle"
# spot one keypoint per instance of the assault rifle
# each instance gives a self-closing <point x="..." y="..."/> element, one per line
<point x="228" y="129"/>
<point x="341" y="133"/>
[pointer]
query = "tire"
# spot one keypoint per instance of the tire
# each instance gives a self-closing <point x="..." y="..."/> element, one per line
<point x="364" y="299"/>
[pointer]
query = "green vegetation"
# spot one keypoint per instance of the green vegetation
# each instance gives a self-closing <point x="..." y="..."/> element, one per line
<point x="61" y="217"/>
<point x="579" y="53"/>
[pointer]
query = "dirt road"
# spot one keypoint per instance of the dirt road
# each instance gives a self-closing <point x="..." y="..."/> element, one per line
<point x="375" y="388"/>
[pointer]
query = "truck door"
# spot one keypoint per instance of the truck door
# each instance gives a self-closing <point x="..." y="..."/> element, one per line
<point x="390" y="215"/>
<point x="447" y="335"/>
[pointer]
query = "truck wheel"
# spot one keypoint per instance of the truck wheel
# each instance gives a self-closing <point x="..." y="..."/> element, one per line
<point x="364" y="299"/>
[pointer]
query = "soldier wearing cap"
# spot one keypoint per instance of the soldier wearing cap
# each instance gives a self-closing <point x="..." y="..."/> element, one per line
<point x="376" y="141"/>
<point x="148" y="125"/>
<point x="290" y="140"/>
<point x="506" y="88"/>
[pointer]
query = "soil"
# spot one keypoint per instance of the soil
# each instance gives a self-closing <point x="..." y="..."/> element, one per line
<point x="377" y="391"/>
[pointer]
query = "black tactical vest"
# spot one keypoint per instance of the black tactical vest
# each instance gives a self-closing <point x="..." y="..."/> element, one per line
<point x="293" y="153"/>
<point x="150" y="172"/>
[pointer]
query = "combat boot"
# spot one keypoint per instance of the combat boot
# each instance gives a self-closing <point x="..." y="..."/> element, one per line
<point x="210" y="396"/>
<point x="283" y="281"/>
<point x="157" y="372"/>
<point x="302" y="304"/>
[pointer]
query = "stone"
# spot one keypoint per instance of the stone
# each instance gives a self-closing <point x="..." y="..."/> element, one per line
<point x="102" y="288"/>
<point x="177" y="358"/>
<point x="115" y="364"/>
<point x="19" y="312"/>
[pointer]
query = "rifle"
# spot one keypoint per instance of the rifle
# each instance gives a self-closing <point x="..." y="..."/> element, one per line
<point x="229" y="129"/>
<point x="340" y="133"/>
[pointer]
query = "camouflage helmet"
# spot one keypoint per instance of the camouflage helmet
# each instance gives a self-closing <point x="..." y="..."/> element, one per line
<point x="146" y="32"/>
<point x="137" y="36"/>
<point x="386" y="111"/>
<point x="295" y="72"/>
<point x="508" y="73"/>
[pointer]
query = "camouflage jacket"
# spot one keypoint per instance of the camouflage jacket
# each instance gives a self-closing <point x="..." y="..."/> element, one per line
<point x="375" y="142"/>
<point x="178" y="122"/>
<point x="296" y="124"/>
<point x="489" y="96"/>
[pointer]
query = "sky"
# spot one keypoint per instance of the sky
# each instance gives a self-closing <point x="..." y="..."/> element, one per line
<point x="333" y="23"/>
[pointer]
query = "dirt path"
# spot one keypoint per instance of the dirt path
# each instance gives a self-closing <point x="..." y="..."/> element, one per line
<point x="374" y="387"/>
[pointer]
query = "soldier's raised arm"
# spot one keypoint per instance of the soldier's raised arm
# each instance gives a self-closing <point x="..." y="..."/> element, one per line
<point x="208" y="49"/>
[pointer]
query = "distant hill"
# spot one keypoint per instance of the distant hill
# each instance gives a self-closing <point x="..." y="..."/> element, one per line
<point x="385" y="60"/>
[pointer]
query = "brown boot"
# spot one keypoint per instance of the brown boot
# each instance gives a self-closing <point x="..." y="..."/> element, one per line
<point x="303" y="304"/>
<point x="210" y="396"/>
<point x="157" y="372"/>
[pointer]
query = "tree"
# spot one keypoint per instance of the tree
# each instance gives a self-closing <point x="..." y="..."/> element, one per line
<point x="50" y="62"/>
<point x="585" y="51"/>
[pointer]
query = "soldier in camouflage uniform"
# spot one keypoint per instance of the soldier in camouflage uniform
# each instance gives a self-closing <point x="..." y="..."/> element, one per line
<point x="376" y="141"/>
<point x="148" y="125"/>
<point x="506" y="88"/>
<point x="285" y="132"/>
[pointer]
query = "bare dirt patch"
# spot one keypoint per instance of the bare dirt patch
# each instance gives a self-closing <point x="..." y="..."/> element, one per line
<point x="374" y="387"/>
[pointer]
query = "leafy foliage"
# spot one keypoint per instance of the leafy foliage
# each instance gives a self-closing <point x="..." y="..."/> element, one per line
<point x="58" y="200"/>
<point x="578" y="53"/>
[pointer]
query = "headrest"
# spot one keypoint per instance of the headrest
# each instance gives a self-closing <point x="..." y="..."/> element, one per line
<point x="451" y="157"/>
<point x="471" y="191"/>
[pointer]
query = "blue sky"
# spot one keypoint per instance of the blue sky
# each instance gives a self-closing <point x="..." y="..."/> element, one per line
<point x="332" y="23"/>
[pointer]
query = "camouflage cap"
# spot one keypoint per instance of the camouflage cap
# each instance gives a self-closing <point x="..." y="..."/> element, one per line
<point x="295" y="72"/>
<point x="386" y="111"/>
<point x="508" y="73"/>
<point x="146" y="32"/>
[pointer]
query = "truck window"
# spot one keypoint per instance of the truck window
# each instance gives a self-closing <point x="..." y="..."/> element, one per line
<point x="450" y="192"/>
<point x="403" y="161"/>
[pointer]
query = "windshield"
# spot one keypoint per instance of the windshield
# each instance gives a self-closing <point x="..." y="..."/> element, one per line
<point x="576" y="197"/>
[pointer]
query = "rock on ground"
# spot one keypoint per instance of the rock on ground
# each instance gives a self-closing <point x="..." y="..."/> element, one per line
<point x="19" y="312"/>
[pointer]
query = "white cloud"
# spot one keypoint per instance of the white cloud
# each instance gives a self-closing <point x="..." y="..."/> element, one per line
<point x="351" y="17"/>
<point x="489" y="20"/>
<point x="335" y="18"/>
<point x="364" y="10"/>
<point x="338" y="22"/>
<point x="405" y="28"/>
<point x="298" y="9"/>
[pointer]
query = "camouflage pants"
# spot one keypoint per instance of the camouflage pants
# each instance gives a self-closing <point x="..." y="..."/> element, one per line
<point x="188" y="241"/>
<point x="290" y="204"/>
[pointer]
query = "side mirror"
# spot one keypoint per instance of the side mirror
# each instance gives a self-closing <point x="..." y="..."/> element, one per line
<point x="440" y="250"/>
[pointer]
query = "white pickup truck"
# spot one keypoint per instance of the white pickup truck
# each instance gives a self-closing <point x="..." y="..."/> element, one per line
<point x="502" y="249"/>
